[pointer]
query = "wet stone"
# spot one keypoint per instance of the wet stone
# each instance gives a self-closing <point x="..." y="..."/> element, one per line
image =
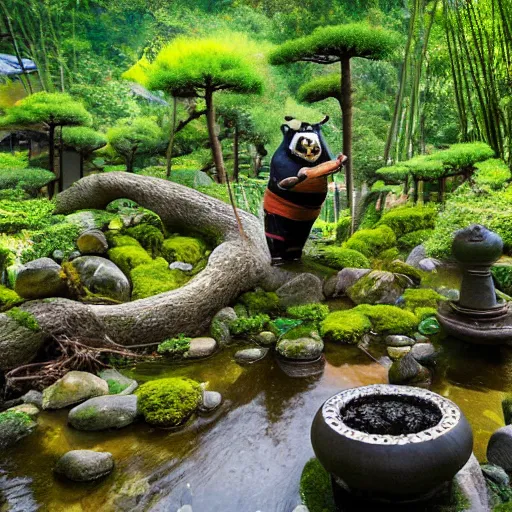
<point x="499" y="449"/>
<point x="180" y="265"/>
<point x="266" y="338"/>
<point x="421" y="338"/>
<point x="250" y="355"/>
<point x="399" y="341"/>
<point x="33" y="397"/>
<point x="396" y="353"/>
<point x="424" y="353"/>
<point x="29" y="409"/>
<point x="210" y="402"/>
<point x="495" y="473"/>
<point x="85" y="465"/>
<point x="201" y="347"/>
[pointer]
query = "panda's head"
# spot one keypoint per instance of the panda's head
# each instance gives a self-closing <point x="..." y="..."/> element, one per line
<point x="303" y="139"/>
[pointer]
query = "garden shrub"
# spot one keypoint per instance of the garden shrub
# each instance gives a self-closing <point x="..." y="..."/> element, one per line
<point x="61" y="236"/>
<point x="183" y="248"/>
<point x="370" y="216"/>
<point x="503" y="277"/>
<point x="493" y="173"/>
<point x="149" y="237"/>
<point x="30" y="180"/>
<point x="310" y="312"/>
<point x="389" y="254"/>
<point x="32" y="214"/>
<point x="13" y="160"/>
<point x="6" y="258"/>
<point x="421" y="298"/>
<point x="217" y="191"/>
<point x="371" y="242"/>
<point x="154" y="277"/>
<point x="408" y="242"/>
<point x="175" y="347"/>
<point x="8" y="298"/>
<point x="347" y="326"/>
<point x="404" y="220"/>
<point x="168" y="402"/>
<point x="340" y="258"/>
<point x="389" y="319"/>
<point x="343" y="229"/>
<point x="249" y="325"/>
<point x="260" y="301"/>
<point x="128" y="257"/>
<point x="326" y="229"/>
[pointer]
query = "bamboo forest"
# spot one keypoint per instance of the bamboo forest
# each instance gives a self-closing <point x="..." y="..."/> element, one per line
<point x="256" y="255"/>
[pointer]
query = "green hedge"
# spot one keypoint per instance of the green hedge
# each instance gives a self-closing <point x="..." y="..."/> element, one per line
<point x="30" y="180"/>
<point x="371" y="242"/>
<point x="407" y="219"/>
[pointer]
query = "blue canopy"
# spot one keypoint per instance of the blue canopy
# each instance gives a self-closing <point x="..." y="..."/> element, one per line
<point x="9" y="65"/>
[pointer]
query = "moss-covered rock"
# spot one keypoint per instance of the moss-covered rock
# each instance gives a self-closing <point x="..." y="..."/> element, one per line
<point x="149" y="237"/>
<point x="183" y="248"/>
<point x="8" y="298"/>
<point x="421" y="298"/>
<point x="371" y="242"/>
<point x="168" y="402"/>
<point x="399" y="267"/>
<point x="309" y="312"/>
<point x="115" y="239"/>
<point x="14" y="425"/>
<point x="389" y="319"/>
<point x="315" y="488"/>
<point x="155" y="277"/>
<point x="260" y="301"/>
<point x="249" y="325"/>
<point x="340" y="258"/>
<point x="377" y="287"/>
<point x="301" y="349"/>
<point x="347" y="326"/>
<point x="128" y="257"/>
<point x="92" y="242"/>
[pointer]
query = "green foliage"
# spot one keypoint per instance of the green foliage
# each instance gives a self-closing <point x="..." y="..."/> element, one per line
<point x="61" y="236"/>
<point x="8" y="298"/>
<point x="168" y="402"/>
<point x="116" y="240"/>
<point x="349" y="40"/>
<point x="189" y="66"/>
<point x="370" y="216"/>
<point x="128" y="257"/>
<point x="249" y="325"/>
<point x="424" y="167"/>
<point x="6" y="258"/>
<point x="154" y="277"/>
<point x="260" y="301"/>
<point x="30" y="180"/>
<point x="24" y="318"/>
<point x="13" y="161"/>
<point x="389" y="319"/>
<point x="175" y="347"/>
<point x="20" y="417"/>
<point x="340" y="258"/>
<point x="148" y="236"/>
<point x="83" y="139"/>
<point x="115" y="387"/>
<point x="315" y="488"/>
<point x="411" y="240"/>
<point x="371" y="242"/>
<point x="493" y="173"/>
<point x="31" y="214"/>
<point x="131" y="137"/>
<point x="343" y="229"/>
<point x="389" y="254"/>
<point x="59" y="109"/>
<point x="464" y="155"/>
<point x="321" y="88"/>
<point x="407" y="219"/>
<point x="424" y="313"/>
<point x="310" y="312"/>
<point x="421" y="298"/>
<point x="183" y="248"/>
<point x="502" y="275"/>
<point x="305" y="330"/>
<point x="347" y="326"/>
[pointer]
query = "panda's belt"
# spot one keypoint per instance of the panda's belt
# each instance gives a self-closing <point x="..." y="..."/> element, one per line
<point x="276" y="205"/>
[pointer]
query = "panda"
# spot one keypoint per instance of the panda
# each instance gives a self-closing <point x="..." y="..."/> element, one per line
<point x="297" y="187"/>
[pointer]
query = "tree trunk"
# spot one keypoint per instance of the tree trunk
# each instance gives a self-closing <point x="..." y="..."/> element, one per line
<point x="236" y="163"/>
<point x="171" y="138"/>
<point x="234" y="266"/>
<point x="51" y="156"/>
<point x="346" y="112"/>
<point x="214" y="139"/>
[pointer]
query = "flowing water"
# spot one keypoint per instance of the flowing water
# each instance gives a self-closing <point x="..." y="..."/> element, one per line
<point x="249" y="455"/>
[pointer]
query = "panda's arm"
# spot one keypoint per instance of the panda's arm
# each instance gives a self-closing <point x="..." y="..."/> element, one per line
<point x="318" y="171"/>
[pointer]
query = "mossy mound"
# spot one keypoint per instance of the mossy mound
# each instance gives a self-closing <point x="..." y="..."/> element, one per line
<point x="399" y="267"/>
<point x="408" y="242"/>
<point x="407" y="219"/>
<point x="183" y="248"/>
<point x="260" y="301"/>
<point x="315" y="488"/>
<point x="340" y="258"/>
<point x="8" y="298"/>
<point x="389" y="319"/>
<point x="345" y="326"/>
<point x="155" y="277"/>
<point x="117" y="240"/>
<point x="249" y="325"/>
<point x="309" y="312"/>
<point x="148" y="236"/>
<point x="128" y="257"/>
<point x="175" y="348"/>
<point x="371" y="242"/>
<point x="421" y="298"/>
<point x="305" y="330"/>
<point x="389" y="254"/>
<point x="168" y="402"/>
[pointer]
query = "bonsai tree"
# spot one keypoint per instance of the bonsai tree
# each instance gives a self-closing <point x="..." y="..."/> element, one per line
<point x="329" y="45"/>
<point x="46" y="111"/>
<point x="132" y="137"/>
<point x="83" y="140"/>
<point x="199" y="68"/>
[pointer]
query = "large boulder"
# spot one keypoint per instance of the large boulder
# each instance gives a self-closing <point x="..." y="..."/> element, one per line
<point x="416" y="255"/>
<point x="73" y="388"/>
<point x="92" y="242"/>
<point x="85" y="465"/>
<point x="103" y="412"/>
<point x="14" y="425"/>
<point x="377" y="287"/>
<point x="303" y="289"/>
<point x="348" y="277"/>
<point x="39" y="279"/>
<point x="102" y="277"/>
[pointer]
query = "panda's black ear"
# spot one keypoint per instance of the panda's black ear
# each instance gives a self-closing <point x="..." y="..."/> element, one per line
<point x="285" y="128"/>
<point x="288" y="118"/>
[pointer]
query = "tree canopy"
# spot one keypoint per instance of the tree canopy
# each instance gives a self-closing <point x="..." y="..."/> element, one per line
<point x="83" y="139"/>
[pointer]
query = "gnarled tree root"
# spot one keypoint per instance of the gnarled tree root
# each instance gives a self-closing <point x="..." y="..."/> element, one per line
<point x="236" y="265"/>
